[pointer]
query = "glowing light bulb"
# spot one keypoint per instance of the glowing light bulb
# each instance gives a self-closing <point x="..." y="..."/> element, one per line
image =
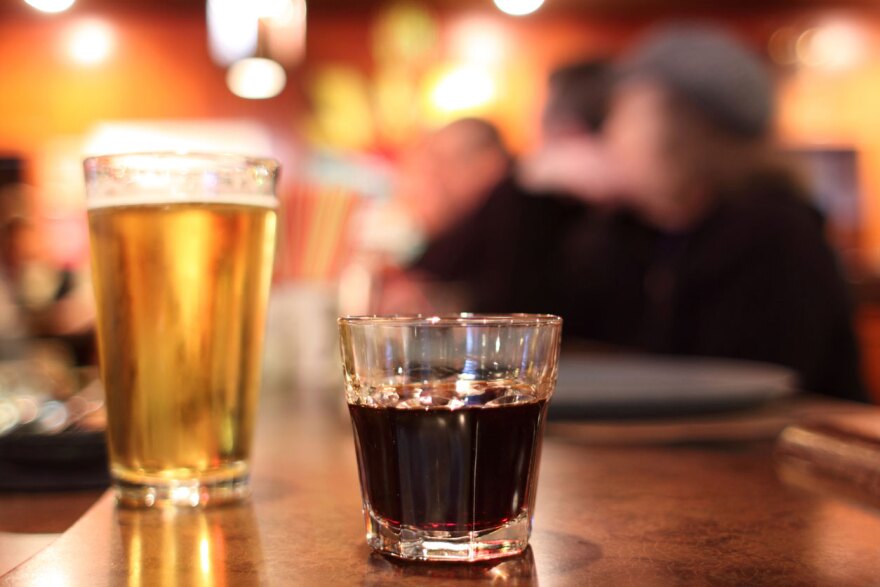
<point x="480" y="41"/>
<point x="271" y="8"/>
<point x="833" y="46"/>
<point x="256" y="78"/>
<point x="51" y="6"/>
<point x="463" y="88"/>
<point x="518" y="7"/>
<point x="90" y="42"/>
<point x="232" y="30"/>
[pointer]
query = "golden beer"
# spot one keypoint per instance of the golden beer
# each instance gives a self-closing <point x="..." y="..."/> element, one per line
<point x="181" y="291"/>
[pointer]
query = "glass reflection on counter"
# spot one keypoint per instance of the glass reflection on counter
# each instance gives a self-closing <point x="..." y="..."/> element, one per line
<point x="179" y="547"/>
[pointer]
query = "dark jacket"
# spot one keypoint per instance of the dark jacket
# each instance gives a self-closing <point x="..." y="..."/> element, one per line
<point x="503" y="251"/>
<point x="754" y="280"/>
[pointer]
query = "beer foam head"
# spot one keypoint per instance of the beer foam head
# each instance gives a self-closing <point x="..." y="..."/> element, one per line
<point x="177" y="178"/>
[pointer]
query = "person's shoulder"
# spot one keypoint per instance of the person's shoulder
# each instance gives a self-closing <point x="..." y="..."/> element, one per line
<point x="505" y="194"/>
<point x="776" y="202"/>
<point x="511" y="194"/>
<point x="507" y="187"/>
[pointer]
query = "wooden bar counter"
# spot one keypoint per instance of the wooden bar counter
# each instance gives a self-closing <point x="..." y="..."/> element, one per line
<point x="688" y="504"/>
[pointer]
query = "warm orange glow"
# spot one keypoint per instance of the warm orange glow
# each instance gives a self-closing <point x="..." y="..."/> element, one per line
<point x="159" y="69"/>
<point x="820" y="107"/>
<point x="782" y="45"/>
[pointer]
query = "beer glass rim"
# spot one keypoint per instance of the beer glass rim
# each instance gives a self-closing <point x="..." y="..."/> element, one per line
<point x="447" y="320"/>
<point x="150" y="159"/>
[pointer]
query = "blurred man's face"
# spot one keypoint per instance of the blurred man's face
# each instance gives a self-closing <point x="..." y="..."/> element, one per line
<point x="19" y="243"/>
<point x="637" y="131"/>
<point x="447" y="176"/>
<point x="556" y="125"/>
<point x="556" y="128"/>
<point x="463" y="172"/>
<point x="644" y="142"/>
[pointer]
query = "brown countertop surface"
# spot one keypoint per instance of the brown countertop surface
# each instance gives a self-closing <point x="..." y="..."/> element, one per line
<point x="673" y="504"/>
<point x="31" y="521"/>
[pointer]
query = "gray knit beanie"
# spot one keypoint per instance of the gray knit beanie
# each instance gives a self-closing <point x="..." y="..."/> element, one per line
<point x="712" y="70"/>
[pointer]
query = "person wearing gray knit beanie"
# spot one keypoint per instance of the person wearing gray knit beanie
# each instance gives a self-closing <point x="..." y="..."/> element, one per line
<point x="693" y="112"/>
<point x="711" y="247"/>
<point x="707" y="67"/>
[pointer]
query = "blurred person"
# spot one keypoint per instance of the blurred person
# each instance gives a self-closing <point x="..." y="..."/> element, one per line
<point x="712" y="247"/>
<point x="39" y="300"/>
<point x="572" y="159"/>
<point x="452" y="172"/>
<point x="446" y="179"/>
<point x="577" y="99"/>
<point x="496" y="255"/>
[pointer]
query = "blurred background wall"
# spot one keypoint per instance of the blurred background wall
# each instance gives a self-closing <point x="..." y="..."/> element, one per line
<point x="372" y="76"/>
<point x="375" y="74"/>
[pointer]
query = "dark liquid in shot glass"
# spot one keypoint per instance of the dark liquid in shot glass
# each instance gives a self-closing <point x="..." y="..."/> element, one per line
<point x="464" y="465"/>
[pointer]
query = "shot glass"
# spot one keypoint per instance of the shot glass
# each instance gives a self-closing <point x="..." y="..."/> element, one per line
<point x="181" y="250"/>
<point x="448" y="414"/>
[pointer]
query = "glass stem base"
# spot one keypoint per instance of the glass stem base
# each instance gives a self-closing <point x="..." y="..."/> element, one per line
<point x="411" y="543"/>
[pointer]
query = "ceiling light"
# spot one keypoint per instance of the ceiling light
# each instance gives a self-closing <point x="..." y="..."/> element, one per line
<point x="232" y="30"/>
<point x="833" y="46"/>
<point x="463" y="88"/>
<point x="479" y="41"/>
<point x="51" y="5"/>
<point x="518" y="7"/>
<point x="270" y="8"/>
<point x="239" y="29"/>
<point x="90" y="42"/>
<point x="256" y="78"/>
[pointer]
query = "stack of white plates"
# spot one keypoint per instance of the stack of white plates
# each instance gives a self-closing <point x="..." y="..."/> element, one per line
<point x="603" y="386"/>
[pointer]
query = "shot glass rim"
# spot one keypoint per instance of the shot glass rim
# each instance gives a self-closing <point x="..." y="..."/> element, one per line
<point x="210" y="158"/>
<point x="448" y="320"/>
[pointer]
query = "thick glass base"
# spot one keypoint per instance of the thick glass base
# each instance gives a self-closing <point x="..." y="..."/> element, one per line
<point x="411" y="543"/>
<point x="153" y="491"/>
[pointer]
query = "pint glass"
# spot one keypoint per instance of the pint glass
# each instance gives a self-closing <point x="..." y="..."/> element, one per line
<point x="181" y="249"/>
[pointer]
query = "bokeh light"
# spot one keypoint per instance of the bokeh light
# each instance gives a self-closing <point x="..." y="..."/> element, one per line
<point x="232" y="31"/>
<point x="286" y="32"/>
<point x="833" y="46"/>
<point x="463" y="88"/>
<point x="51" y="6"/>
<point x="271" y="8"/>
<point x="518" y="7"/>
<point x="256" y="78"/>
<point x="479" y="40"/>
<point x="782" y="45"/>
<point x="90" y="42"/>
